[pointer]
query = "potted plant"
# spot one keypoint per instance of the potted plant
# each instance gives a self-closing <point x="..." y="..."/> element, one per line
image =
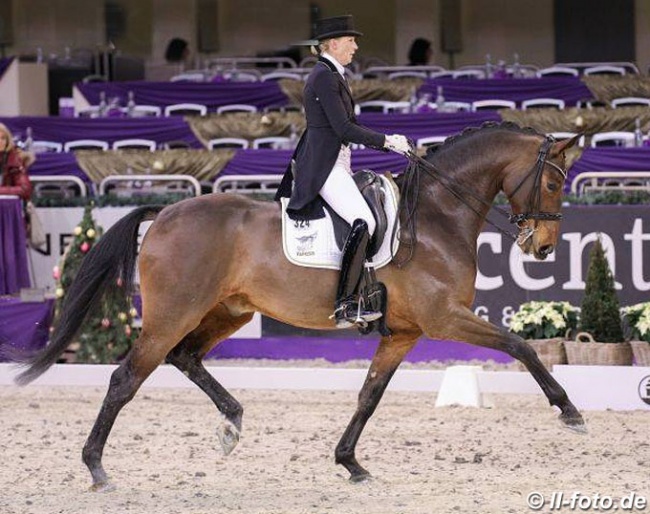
<point x="636" y="319"/>
<point x="544" y="326"/>
<point x="600" y="340"/>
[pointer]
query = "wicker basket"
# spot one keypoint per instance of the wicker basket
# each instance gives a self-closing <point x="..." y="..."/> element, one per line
<point x="550" y="352"/>
<point x="585" y="351"/>
<point x="641" y="351"/>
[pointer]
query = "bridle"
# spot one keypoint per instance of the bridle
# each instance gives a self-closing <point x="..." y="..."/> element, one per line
<point x="535" y="196"/>
<point x="408" y="205"/>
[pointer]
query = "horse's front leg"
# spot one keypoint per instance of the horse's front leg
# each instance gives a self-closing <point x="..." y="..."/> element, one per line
<point x="387" y="358"/>
<point x="468" y="327"/>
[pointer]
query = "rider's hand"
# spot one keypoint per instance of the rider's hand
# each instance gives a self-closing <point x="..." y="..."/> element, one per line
<point x="397" y="143"/>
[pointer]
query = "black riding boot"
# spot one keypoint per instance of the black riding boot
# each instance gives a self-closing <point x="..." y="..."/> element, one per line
<point x="346" y="311"/>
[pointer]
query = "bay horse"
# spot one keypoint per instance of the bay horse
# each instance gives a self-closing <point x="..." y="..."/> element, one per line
<point x="208" y="263"/>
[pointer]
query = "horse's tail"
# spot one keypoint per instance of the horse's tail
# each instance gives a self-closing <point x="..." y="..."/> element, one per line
<point x="112" y="258"/>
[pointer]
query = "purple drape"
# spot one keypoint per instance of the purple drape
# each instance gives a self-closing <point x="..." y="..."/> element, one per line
<point x="610" y="159"/>
<point x="569" y="89"/>
<point x="213" y="95"/>
<point x="269" y="162"/>
<point x="24" y="326"/>
<point x="14" y="273"/>
<point x="343" y="349"/>
<point x="5" y="62"/>
<point x="416" y="126"/>
<point x="60" y="130"/>
<point x="58" y="164"/>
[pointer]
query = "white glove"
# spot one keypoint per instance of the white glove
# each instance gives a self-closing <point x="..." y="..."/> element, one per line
<point x="397" y="143"/>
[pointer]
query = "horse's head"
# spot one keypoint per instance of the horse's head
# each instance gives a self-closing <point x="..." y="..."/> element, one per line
<point x="534" y="189"/>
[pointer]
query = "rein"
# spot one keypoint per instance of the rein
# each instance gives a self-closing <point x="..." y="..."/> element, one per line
<point x="408" y="207"/>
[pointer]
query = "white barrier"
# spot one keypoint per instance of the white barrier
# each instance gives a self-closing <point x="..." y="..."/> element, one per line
<point x="589" y="387"/>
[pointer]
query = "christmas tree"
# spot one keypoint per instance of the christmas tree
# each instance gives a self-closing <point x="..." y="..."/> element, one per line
<point x="106" y="334"/>
<point x="600" y="310"/>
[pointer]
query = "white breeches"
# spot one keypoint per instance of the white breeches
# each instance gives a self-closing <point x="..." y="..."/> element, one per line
<point x="342" y="194"/>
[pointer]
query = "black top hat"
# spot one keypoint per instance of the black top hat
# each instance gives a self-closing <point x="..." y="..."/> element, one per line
<point x="338" y="26"/>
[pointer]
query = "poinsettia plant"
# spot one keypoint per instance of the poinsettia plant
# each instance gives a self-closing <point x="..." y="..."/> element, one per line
<point x="544" y="320"/>
<point x="637" y="321"/>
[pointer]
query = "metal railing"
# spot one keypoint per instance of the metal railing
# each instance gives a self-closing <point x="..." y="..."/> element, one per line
<point x="280" y="62"/>
<point x="61" y="179"/>
<point x="129" y="181"/>
<point x="591" y="181"/>
<point x="247" y="184"/>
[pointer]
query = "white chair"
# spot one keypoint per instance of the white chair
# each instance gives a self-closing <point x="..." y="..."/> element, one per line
<point x="243" y="76"/>
<point x="555" y="71"/>
<point x="447" y="74"/>
<point x="90" y="112"/>
<point x="186" y="108"/>
<point x="458" y="106"/>
<point x="468" y="74"/>
<point x="604" y="70"/>
<point x="236" y="108"/>
<point x="279" y="75"/>
<point x="423" y="142"/>
<point x="46" y="146"/>
<point x="612" y="139"/>
<point x="195" y="76"/>
<point x="407" y="75"/>
<point x="493" y="104"/>
<point x="275" y="142"/>
<point x="543" y="102"/>
<point x="228" y="142"/>
<point x="630" y="101"/>
<point x="85" y="144"/>
<point x="384" y="106"/>
<point x="567" y="135"/>
<point x="135" y="144"/>
<point x="142" y="111"/>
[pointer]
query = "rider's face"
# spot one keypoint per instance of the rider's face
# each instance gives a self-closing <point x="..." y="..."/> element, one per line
<point x="343" y="49"/>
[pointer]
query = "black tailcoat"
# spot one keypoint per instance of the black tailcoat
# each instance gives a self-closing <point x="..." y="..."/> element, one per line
<point x="329" y="109"/>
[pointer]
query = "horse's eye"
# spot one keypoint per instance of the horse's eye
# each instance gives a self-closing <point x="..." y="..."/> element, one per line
<point x="552" y="186"/>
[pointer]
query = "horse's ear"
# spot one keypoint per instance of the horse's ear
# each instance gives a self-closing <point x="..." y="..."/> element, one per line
<point x="565" y="144"/>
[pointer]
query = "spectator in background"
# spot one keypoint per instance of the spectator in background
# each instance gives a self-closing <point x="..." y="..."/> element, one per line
<point x="420" y="52"/>
<point x="13" y="167"/>
<point x="178" y="51"/>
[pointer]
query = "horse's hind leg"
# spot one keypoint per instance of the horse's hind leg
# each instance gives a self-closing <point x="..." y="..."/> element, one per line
<point x="386" y="360"/>
<point x="187" y="357"/>
<point x="473" y="329"/>
<point x="141" y="361"/>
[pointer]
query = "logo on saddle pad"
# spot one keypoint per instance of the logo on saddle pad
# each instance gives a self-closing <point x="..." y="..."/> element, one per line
<point x="313" y="243"/>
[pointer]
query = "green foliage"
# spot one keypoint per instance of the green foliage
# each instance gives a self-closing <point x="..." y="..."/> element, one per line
<point x="600" y="310"/>
<point x="544" y="320"/>
<point x="108" y="333"/>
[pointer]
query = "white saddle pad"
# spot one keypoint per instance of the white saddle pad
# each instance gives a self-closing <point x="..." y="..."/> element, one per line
<point x="312" y="243"/>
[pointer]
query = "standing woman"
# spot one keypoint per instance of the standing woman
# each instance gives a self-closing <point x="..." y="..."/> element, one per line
<point x="321" y="162"/>
<point x="13" y="170"/>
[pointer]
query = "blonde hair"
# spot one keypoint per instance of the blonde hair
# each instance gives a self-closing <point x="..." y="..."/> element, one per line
<point x="10" y="137"/>
<point x="323" y="46"/>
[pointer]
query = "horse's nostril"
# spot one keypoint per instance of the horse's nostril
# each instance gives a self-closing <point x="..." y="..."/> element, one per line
<point x="546" y="249"/>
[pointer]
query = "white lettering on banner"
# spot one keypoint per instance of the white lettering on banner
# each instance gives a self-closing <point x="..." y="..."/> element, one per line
<point x="482" y="312"/>
<point x="637" y="237"/>
<point x="577" y="244"/>
<point x="519" y="275"/>
<point x="483" y="282"/>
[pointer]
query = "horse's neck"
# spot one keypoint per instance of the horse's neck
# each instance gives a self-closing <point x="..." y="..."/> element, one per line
<point x="476" y="185"/>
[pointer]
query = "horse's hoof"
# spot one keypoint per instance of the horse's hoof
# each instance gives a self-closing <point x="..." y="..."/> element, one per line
<point x="361" y="477"/>
<point x="228" y="435"/>
<point x="574" y="423"/>
<point x="102" y="487"/>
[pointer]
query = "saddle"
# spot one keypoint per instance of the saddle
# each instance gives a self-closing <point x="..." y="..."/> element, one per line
<point x="370" y="186"/>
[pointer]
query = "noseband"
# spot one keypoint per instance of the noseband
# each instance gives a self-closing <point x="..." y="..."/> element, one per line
<point x="535" y="196"/>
